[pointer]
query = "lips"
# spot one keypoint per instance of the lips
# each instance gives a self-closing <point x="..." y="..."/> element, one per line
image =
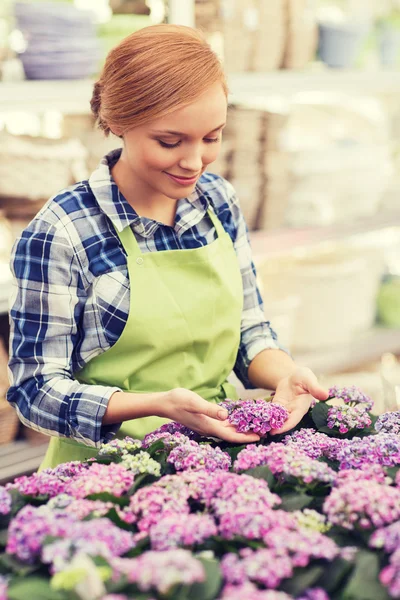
<point x="185" y="181"/>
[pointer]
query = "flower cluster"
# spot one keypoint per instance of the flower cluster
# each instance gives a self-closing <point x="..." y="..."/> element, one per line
<point x="351" y="395"/>
<point x="80" y="507"/>
<point x="285" y="461"/>
<point x="49" y="482"/>
<point x="97" y="478"/>
<point x="97" y="537"/>
<point x="368" y="471"/>
<point x="169" y="429"/>
<point x="250" y="592"/>
<point x="160" y="571"/>
<point x="119" y="447"/>
<point x="269" y="566"/>
<point x="192" y="455"/>
<point x="173" y="531"/>
<point x="141" y="463"/>
<point x="255" y="415"/>
<point x="364" y="504"/>
<point x="311" y="442"/>
<point x="346" y="418"/>
<point x="311" y="519"/>
<point x="381" y="449"/>
<point x="30" y="527"/>
<point x="5" y="501"/>
<point x="388" y="538"/>
<point x="3" y="587"/>
<point x="389" y="423"/>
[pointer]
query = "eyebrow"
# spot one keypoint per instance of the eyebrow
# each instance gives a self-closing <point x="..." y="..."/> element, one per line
<point x="184" y="134"/>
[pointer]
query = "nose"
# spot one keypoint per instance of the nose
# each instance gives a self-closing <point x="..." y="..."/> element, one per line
<point x="192" y="160"/>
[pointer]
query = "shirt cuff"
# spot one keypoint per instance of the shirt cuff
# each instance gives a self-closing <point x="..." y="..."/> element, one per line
<point x="91" y="431"/>
<point x="247" y="354"/>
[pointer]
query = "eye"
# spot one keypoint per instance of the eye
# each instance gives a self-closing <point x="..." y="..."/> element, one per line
<point x="211" y="140"/>
<point x="165" y="145"/>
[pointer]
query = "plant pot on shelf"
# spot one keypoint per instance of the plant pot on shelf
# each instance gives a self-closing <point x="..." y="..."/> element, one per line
<point x="340" y="44"/>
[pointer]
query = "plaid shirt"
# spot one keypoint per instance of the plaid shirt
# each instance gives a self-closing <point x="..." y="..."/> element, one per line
<point x="71" y="291"/>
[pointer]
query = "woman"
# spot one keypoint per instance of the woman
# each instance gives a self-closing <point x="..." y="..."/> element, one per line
<point x="135" y="290"/>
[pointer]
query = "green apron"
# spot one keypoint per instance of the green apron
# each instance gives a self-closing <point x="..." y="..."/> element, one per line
<point x="183" y="330"/>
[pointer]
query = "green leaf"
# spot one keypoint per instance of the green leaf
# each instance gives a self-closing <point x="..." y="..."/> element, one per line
<point x="11" y="564"/>
<point x="233" y="451"/>
<point x="116" y="519"/>
<point x="320" y="414"/>
<point x="34" y="588"/>
<point x="3" y="537"/>
<point x="364" y="583"/>
<point x="142" y="480"/>
<point x="107" y="497"/>
<point x="211" y="586"/>
<point x="263" y="472"/>
<point x="302" y="579"/>
<point x="295" y="501"/>
<point x="334" y="574"/>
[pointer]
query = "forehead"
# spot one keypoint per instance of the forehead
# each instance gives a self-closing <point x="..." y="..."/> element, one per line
<point x="204" y="114"/>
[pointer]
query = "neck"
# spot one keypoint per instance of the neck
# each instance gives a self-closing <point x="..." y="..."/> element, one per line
<point x="146" y="201"/>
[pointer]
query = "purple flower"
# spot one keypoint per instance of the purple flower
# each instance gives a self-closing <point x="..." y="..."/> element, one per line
<point x="363" y="504"/>
<point x="390" y="575"/>
<point x="97" y="537"/>
<point x="152" y="503"/>
<point x="351" y="395"/>
<point x="255" y="415"/>
<point x="387" y="538"/>
<point x="173" y="531"/>
<point x="160" y="571"/>
<point x="167" y="430"/>
<point x="252" y="524"/>
<point x="192" y="455"/>
<point x="80" y="507"/>
<point x="49" y="482"/>
<point x="112" y="478"/>
<point x="388" y="423"/>
<point x="248" y="591"/>
<point x="311" y="442"/>
<point x="229" y="492"/>
<point x="266" y="567"/>
<point x="31" y="525"/>
<point x="382" y="449"/>
<point x="285" y="461"/>
<point x="345" y="418"/>
<point x="5" y="501"/>
<point x="371" y="472"/>
<point x="314" y="594"/>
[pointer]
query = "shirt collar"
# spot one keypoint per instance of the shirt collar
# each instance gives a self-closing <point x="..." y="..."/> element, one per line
<point x="111" y="201"/>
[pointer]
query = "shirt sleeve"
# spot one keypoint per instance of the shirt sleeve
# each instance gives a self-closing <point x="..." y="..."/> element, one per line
<point x="256" y="333"/>
<point x="45" y="309"/>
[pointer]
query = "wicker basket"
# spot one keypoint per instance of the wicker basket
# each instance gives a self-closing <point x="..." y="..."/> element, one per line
<point x="9" y="422"/>
<point x="34" y="437"/>
<point x="302" y="34"/>
<point x="36" y="168"/>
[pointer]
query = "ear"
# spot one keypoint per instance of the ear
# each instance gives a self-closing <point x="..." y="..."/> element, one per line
<point x="116" y="130"/>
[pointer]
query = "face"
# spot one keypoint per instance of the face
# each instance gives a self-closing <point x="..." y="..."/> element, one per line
<point x="167" y="156"/>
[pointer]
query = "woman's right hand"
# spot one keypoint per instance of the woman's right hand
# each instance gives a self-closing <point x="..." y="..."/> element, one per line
<point x="206" y="418"/>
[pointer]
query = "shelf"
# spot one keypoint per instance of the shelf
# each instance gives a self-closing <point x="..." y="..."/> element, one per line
<point x="367" y="347"/>
<point x="73" y="97"/>
<point x="266" y="244"/>
<point x="20" y="458"/>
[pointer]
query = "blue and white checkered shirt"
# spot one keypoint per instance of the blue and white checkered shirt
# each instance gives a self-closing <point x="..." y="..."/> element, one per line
<point x="71" y="293"/>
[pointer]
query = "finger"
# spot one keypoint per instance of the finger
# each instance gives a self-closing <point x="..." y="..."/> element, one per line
<point x="310" y="382"/>
<point x="200" y="406"/>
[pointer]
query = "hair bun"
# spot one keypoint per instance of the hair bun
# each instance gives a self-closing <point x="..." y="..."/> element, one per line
<point x="95" y="105"/>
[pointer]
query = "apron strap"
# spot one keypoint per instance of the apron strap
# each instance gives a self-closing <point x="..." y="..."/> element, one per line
<point x="131" y="246"/>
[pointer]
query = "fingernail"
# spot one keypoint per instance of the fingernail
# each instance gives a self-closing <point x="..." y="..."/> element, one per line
<point x="222" y="414"/>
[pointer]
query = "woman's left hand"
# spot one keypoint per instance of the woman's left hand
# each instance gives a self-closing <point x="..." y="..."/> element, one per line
<point x="296" y="393"/>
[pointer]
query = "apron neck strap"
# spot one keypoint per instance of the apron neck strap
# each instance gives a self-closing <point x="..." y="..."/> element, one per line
<point x="131" y="245"/>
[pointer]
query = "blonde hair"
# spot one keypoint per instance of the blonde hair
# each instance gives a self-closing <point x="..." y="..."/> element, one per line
<point x="151" y="73"/>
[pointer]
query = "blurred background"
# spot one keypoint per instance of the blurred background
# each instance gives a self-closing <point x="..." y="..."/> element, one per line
<point x="312" y="147"/>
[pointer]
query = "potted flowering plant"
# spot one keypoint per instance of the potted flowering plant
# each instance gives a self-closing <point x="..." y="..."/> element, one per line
<point x="313" y="514"/>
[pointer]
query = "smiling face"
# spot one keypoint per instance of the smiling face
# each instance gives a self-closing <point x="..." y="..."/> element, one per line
<point x="165" y="157"/>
